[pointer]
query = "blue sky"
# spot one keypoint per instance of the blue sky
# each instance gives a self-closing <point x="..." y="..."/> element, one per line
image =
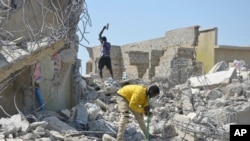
<point x="138" y="20"/>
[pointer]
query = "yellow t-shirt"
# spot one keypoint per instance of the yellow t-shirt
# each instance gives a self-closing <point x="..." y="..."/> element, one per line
<point x="136" y="96"/>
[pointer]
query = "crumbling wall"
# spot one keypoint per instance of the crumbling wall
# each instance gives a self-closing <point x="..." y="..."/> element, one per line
<point x="145" y="67"/>
<point x="12" y="92"/>
<point x="176" y="62"/>
<point x="155" y="61"/>
<point x="163" y="70"/>
<point x="33" y="33"/>
<point x="121" y="61"/>
<point x="181" y="70"/>
<point x="153" y="58"/>
<point x="140" y="60"/>
<point x="57" y="86"/>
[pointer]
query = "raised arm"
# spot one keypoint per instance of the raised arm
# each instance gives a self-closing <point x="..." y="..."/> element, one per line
<point x="100" y="34"/>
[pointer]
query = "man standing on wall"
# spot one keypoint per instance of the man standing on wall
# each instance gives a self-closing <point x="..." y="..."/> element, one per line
<point x="105" y="59"/>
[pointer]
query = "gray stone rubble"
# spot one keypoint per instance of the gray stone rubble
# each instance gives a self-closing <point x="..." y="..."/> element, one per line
<point x="179" y="112"/>
<point x="190" y="107"/>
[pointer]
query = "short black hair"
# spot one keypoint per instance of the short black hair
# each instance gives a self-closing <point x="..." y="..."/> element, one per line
<point x="154" y="89"/>
<point x="104" y="38"/>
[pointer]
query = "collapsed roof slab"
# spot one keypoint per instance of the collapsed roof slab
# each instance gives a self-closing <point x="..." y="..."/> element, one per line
<point x="14" y="60"/>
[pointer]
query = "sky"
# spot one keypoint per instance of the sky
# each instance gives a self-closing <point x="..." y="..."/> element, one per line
<point x="138" y="20"/>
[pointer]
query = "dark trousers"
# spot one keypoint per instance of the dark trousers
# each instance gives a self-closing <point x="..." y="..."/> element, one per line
<point x="105" y="61"/>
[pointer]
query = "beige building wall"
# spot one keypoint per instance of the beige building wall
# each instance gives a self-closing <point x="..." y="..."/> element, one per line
<point x="205" y="50"/>
<point x="209" y="53"/>
<point x="231" y="53"/>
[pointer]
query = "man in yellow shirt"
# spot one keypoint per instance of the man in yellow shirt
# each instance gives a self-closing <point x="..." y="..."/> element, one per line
<point x="134" y="98"/>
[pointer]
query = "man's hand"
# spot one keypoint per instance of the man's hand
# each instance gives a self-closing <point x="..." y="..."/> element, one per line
<point x="147" y="110"/>
<point x="149" y="114"/>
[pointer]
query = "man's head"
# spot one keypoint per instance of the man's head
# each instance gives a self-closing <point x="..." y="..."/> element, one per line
<point x="153" y="91"/>
<point x="103" y="39"/>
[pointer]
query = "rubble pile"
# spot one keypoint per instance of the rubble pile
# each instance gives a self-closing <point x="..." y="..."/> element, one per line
<point x="188" y="111"/>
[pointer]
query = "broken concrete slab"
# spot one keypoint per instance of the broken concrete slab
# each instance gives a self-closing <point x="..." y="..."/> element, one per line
<point x="220" y="66"/>
<point x="57" y="125"/>
<point x="30" y="136"/>
<point x="107" y="137"/>
<point x="11" y="57"/>
<point x="68" y="55"/>
<point x="101" y="104"/>
<point x="56" y="135"/>
<point x="213" y="94"/>
<point x="235" y="89"/>
<point x="14" y="124"/>
<point x="101" y="125"/>
<point x="213" y="79"/>
<point x="81" y="114"/>
<point x="40" y="131"/>
<point x="65" y="113"/>
<point x="93" y="111"/>
<point x="34" y="125"/>
<point x="221" y="116"/>
<point x="169" y="131"/>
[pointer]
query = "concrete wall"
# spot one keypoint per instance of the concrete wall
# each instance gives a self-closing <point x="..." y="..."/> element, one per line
<point x="205" y="49"/>
<point x="135" y="59"/>
<point x="14" y="92"/>
<point x="230" y="53"/>
<point x="141" y="58"/>
<point x="150" y="58"/>
<point x="56" y="87"/>
<point x="163" y="70"/>
<point x="209" y="53"/>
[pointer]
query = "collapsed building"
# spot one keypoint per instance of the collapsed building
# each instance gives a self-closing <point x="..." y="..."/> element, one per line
<point x="38" y="46"/>
<point x="44" y="97"/>
<point x="179" y="54"/>
<point x="204" y="86"/>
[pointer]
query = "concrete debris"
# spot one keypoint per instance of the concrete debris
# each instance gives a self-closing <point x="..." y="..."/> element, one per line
<point x="66" y="113"/>
<point x="213" y="79"/>
<point x="93" y="111"/>
<point x="107" y="137"/>
<point x="220" y="66"/>
<point x="81" y="114"/>
<point x="181" y="112"/>
<point x="68" y="56"/>
<point x="101" y="104"/>
<point x="57" y="125"/>
<point x="13" y="124"/>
